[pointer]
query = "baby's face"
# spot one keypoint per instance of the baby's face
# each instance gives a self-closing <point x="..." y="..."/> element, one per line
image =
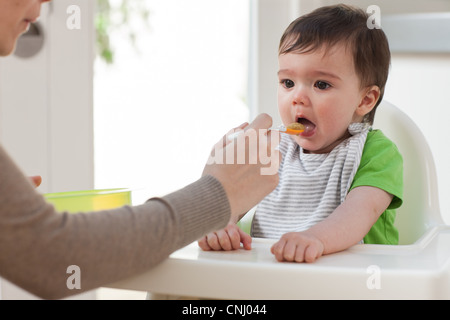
<point x="321" y="90"/>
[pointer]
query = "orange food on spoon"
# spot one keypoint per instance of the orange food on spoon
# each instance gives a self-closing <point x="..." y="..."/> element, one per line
<point x="295" y="128"/>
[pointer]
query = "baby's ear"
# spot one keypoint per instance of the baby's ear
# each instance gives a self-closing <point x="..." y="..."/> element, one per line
<point x="368" y="101"/>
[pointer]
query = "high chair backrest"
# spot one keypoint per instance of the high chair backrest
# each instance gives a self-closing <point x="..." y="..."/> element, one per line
<point x="420" y="209"/>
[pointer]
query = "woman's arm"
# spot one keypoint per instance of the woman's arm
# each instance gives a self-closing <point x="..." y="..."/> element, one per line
<point x="38" y="244"/>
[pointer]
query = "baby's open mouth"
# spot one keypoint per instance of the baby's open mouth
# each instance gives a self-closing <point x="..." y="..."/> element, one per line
<point x="309" y="126"/>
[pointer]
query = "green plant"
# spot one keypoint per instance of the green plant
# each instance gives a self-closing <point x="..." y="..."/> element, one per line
<point x="117" y="15"/>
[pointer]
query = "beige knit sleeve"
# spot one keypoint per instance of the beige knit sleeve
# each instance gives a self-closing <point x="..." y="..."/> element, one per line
<point x="38" y="244"/>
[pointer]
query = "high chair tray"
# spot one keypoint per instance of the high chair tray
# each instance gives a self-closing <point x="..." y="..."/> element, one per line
<point x="418" y="271"/>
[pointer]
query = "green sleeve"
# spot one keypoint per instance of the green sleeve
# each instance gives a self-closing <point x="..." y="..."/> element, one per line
<point x="382" y="167"/>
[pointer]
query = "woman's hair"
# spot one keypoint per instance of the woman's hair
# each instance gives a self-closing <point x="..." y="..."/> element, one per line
<point x="328" y="26"/>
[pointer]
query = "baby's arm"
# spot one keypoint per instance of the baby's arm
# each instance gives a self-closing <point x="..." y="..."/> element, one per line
<point x="346" y="226"/>
<point x="227" y="239"/>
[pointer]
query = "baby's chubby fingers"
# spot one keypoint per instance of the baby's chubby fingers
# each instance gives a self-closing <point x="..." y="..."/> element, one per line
<point x="203" y="244"/>
<point x="312" y="253"/>
<point x="231" y="237"/>
<point x="232" y="240"/>
<point x="277" y="249"/>
<point x="245" y="239"/>
<point x="226" y="239"/>
<point x="219" y="240"/>
<point x="298" y="247"/>
<point x="214" y="241"/>
<point x="290" y="252"/>
<point x="210" y="242"/>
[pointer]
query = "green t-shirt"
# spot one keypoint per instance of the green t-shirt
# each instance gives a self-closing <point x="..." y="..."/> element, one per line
<point x="382" y="167"/>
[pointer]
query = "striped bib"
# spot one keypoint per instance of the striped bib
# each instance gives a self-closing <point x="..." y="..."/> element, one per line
<point x="311" y="186"/>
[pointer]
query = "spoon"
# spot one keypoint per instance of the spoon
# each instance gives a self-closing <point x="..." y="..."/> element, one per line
<point x="294" y="128"/>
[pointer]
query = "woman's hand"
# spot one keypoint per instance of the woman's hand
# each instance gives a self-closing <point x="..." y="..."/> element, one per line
<point x="36" y="180"/>
<point x="247" y="166"/>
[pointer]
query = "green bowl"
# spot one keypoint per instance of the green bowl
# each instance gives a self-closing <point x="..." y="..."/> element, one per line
<point x="89" y="200"/>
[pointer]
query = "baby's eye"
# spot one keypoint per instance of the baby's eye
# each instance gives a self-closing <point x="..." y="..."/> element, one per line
<point x="322" y="85"/>
<point x="287" y="83"/>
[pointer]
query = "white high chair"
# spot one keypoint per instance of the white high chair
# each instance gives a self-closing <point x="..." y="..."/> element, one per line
<point x="420" y="210"/>
<point x="417" y="268"/>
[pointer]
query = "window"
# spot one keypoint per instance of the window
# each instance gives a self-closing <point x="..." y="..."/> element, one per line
<point x="160" y="107"/>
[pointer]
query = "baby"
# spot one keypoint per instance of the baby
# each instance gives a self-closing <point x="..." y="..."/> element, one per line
<point x="340" y="181"/>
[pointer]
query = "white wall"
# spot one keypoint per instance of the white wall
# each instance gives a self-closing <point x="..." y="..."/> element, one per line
<point x="46" y="102"/>
<point x="46" y="107"/>
<point x="419" y="85"/>
<point x="24" y="103"/>
<point x="270" y="18"/>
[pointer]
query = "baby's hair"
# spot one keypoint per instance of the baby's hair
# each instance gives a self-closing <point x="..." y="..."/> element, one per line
<point x="331" y="25"/>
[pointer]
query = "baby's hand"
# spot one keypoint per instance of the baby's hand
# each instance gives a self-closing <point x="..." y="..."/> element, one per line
<point x="226" y="239"/>
<point x="298" y="247"/>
